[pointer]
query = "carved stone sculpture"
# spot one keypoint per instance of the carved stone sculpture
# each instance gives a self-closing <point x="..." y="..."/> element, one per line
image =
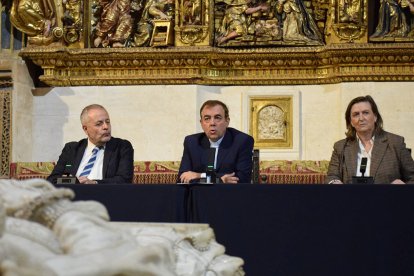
<point x="272" y="123"/>
<point x="42" y="232"/>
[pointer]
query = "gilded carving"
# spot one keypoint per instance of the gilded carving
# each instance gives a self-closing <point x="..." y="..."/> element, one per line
<point x="38" y="19"/>
<point x="221" y="40"/>
<point x="275" y="22"/>
<point x="215" y="66"/>
<point x="395" y="21"/>
<point x="221" y="23"/>
<point x="192" y="12"/>
<point x="49" y="22"/>
<point x="319" y="12"/>
<point x="350" y="11"/>
<point x="271" y="121"/>
<point x="73" y="22"/>
<point x="193" y="23"/>
<point x="156" y="26"/>
<point x="113" y="24"/>
<point x="6" y="85"/>
<point x="347" y="22"/>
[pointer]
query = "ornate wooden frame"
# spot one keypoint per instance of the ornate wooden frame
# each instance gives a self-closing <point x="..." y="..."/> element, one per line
<point x="282" y="103"/>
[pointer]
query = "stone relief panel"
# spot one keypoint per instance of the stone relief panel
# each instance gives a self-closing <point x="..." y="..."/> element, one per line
<point x="271" y="121"/>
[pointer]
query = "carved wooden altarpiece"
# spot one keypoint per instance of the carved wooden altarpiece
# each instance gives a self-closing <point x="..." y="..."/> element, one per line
<point x="344" y="53"/>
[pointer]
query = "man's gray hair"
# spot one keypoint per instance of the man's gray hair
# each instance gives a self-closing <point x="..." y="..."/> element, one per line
<point x="84" y="113"/>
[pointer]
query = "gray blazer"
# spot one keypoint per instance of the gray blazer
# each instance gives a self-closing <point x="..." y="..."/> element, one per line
<point x="390" y="160"/>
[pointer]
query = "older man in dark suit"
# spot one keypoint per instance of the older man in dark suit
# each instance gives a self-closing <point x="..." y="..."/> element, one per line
<point x="388" y="159"/>
<point x="100" y="158"/>
<point x="233" y="154"/>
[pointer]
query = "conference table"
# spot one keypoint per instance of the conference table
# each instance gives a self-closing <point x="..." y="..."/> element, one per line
<point x="294" y="229"/>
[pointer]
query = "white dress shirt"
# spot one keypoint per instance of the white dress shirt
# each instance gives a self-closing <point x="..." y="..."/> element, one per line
<point x="96" y="172"/>
<point x="214" y="145"/>
<point x="363" y="153"/>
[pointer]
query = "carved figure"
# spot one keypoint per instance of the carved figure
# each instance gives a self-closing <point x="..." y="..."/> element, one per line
<point x="272" y="22"/>
<point x="72" y="11"/>
<point x="269" y="28"/>
<point x="349" y="11"/>
<point x="393" y="21"/>
<point x="272" y="123"/>
<point x="114" y="25"/>
<point x="236" y="21"/>
<point x="153" y="10"/>
<point x="409" y="4"/>
<point x="43" y="233"/>
<point x="192" y="12"/>
<point x="36" y="18"/>
<point x="298" y="26"/>
<point x="72" y="20"/>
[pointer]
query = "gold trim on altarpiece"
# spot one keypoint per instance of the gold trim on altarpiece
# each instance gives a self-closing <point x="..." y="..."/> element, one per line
<point x="216" y="66"/>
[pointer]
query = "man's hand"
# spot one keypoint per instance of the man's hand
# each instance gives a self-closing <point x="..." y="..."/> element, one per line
<point x="230" y="178"/>
<point x="336" y="181"/>
<point x="86" y="180"/>
<point x="398" y="181"/>
<point x="186" y="177"/>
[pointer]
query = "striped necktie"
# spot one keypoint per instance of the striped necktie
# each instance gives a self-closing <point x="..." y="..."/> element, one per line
<point x="87" y="170"/>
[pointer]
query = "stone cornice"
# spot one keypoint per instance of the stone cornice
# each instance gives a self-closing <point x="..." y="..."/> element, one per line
<point x="216" y="66"/>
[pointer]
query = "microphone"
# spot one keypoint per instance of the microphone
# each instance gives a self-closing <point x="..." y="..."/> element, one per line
<point x="67" y="177"/>
<point x="66" y="171"/>
<point x="362" y="169"/>
<point x="256" y="166"/>
<point x="363" y="166"/>
<point x="210" y="171"/>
